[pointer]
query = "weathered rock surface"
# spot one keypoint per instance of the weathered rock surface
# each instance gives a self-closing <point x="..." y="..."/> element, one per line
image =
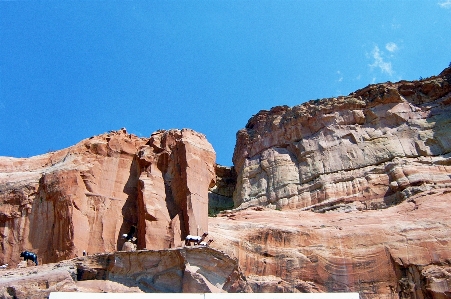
<point x="64" y="202"/>
<point x="336" y="195"/>
<point x="369" y="150"/>
<point x="376" y="164"/>
<point x="190" y="270"/>
<point x="403" y="251"/>
<point x="177" y="168"/>
<point x="86" y="196"/>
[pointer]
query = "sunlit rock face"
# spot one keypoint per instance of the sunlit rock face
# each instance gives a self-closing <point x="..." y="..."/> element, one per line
<point x="336" y="195"/>
<point x="402" y="251"/>
<point x="61" y="203"/>
<point x="346" y="195"/>
<point x="369" y="150"/>
<point x="87" y="196"/>
<point x="177" y="168"/>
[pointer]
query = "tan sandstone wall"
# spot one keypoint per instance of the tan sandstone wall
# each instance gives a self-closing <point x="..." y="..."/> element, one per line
<point x="400" y="252"/>
<point x="346" y="195"/>
<point x="368" y="150"/>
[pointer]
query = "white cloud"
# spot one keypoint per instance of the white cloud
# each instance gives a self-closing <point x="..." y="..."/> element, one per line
<point x="392" y="47"/>
<point x="446" y="4"/>
<point x="379" y="62"/>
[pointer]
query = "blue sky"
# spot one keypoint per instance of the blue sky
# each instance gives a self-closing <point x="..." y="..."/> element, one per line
<point x="71" y="70"/>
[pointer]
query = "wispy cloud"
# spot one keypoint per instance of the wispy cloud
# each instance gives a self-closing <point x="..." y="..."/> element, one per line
<point x="392" y="47"/>
<point x="341" y="76"/>
<point x="446" y="4"/>
<point x="379" y="61"/>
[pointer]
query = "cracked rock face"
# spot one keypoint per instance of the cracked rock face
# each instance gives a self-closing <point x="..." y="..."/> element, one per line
<point x="61" y="203"/>
<point x="376" y="164"/>
<point x="85" y="197"/>
<point x="369" y="150"/>
<point x="177" y="167"/>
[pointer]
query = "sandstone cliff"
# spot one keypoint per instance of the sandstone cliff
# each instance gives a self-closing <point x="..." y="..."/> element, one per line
<point x="86" y="196"/>
<point x="346" y="194"/>
<point x="369" y="150"/>
<point x="176" y="170"/>
<point x="400" y="252"/>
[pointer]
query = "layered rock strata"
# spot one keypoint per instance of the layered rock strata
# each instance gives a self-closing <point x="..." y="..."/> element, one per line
<point x="189" y="270"/>
<point x="399" y="252"/>
<point x="87" y="196"/>
<point x="376" y="163"/>
<point x="369" y="150"/>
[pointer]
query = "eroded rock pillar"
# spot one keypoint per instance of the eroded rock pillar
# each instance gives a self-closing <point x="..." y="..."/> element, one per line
<point x="177" y="168"/>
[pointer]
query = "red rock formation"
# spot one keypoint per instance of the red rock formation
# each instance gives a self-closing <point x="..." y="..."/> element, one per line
<point x="177" y="168"/>
<point x="86" y="196"/>
<point x="399" y="252"/>
<point x="61" y="203"/>
<point x="376" y="164"/>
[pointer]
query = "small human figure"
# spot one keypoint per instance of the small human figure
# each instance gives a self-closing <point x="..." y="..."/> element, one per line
<point x="130" y="240"/>
<point x="129" y="246"/>
<point x="84" y="252"/>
